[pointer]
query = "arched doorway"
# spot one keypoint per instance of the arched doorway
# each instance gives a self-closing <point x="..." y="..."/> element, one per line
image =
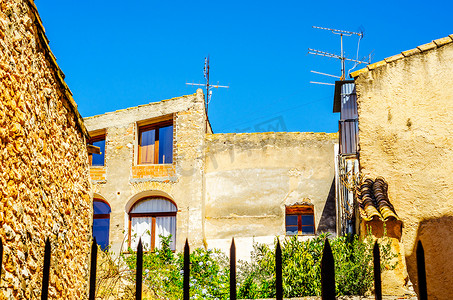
<point x="101" y="222"/>
<point x="149" y="218"/>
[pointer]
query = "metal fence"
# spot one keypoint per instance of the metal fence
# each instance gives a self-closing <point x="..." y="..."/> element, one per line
<point x="327" y="271"/>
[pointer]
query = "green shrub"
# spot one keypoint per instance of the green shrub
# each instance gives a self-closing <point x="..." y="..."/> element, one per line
<point x="301" y="261"/>
<point x="163" y="272"/>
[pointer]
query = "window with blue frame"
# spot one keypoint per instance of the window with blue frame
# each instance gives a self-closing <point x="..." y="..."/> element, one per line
<point x="97" y="160"/>
<point x="101" y="222"/>
<point x="300" y="220"/>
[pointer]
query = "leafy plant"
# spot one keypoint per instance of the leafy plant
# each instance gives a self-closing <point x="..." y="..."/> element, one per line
<point x="301" y="262"/>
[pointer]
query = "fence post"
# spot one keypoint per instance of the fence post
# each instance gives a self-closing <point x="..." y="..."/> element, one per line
<point x="94" y="256"/>
<point x="278" y="272"/>
<point x="233" y="271"/>
<point x="186" y="271"/>
<point x="46" y="271"/>
<point x="377" y="272"/>
<point x="139" y="271"/>
<point x="327" y="273"/>
<point x="421" y="272"/>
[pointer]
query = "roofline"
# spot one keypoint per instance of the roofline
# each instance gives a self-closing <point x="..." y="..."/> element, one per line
<point x="141" y="105"/>
<point x="58" y="72"/>
<point x="420" y="49"/>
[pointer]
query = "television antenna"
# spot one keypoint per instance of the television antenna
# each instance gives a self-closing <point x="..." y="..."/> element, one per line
<point x="341" y="57"/>
<point x="207" y="85"/>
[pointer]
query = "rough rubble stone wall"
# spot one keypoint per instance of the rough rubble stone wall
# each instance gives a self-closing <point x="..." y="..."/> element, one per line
<point x="405" y="132"/>
<point x="44" y="181"/>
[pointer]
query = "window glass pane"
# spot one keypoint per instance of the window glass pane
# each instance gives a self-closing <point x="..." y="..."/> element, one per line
<point x="166" y="145"/>
<point x="166" y="226"/>
<point x="101" y="232"/>
<point x="153" y="205"/>
<point x="291" y="220"/>
<point x="147" y="141"/>
<point x="308" y="229"/>
<point x="291" y="230"/>
<point x="100" y="207"/>
<point x="98" y="159"/>
<point x="141" y="228"/>
<point x="307" y="220"/>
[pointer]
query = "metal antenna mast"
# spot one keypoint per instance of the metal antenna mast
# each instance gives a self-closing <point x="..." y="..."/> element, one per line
<point x="207" y="85"/>
<point x="342" y="57"/>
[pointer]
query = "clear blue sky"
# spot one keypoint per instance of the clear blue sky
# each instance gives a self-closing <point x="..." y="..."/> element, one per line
<point x="118" y="54"/>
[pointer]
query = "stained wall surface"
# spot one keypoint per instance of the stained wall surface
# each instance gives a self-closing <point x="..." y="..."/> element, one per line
<point x="405" y="111"/>
<point x="123" y="181"/>
<point x="44" y="182"/>
<point x="251" y="177"/>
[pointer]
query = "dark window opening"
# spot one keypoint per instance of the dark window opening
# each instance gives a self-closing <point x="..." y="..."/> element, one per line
<point x="101" y="223"/>
<point x="97" y="159"/>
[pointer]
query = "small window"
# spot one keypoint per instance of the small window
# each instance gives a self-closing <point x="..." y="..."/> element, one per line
<point x="149" y="219"/>
<point x="155" y="145"/>
<point x="300" y="220"/>
<point x="97" y="159"/>
<point x="101" y="223"/>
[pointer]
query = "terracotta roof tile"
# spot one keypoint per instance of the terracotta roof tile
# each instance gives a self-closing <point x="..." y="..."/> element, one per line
<point x="374" y="202"/>
<point x="420" y="49"/>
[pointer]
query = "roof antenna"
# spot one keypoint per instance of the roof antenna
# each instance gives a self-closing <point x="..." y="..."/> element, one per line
<point x="207" y="85"/>
<point x="342" y="57"/>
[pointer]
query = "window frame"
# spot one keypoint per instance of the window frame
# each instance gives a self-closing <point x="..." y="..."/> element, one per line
<point x="299" y="211"/>
<point x="102" y="217"/>
<point x="96" y="138"/>
<point x="153" y="216"/>
<point x="154" y="126"/>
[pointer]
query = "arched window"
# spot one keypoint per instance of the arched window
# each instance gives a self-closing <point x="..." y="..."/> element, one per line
<point x="149" y="218"/>
<point x="101" y="222"/>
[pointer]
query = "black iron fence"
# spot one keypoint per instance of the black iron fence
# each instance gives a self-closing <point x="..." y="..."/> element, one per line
<point x="327" y="271"/>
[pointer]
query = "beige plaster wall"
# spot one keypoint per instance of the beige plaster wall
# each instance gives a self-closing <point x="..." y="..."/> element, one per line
<point x="405" y="131"/>
<point x="44" y="182"/>
<point x="250" y="177"/>
<point x="182" y="184"/>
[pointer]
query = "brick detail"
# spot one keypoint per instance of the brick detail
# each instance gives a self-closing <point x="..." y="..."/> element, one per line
<point x="148" y="171"/>
<point x="97" y="173"/>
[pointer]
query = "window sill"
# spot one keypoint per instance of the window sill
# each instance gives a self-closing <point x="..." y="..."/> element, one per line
<point x="146" y="165"/>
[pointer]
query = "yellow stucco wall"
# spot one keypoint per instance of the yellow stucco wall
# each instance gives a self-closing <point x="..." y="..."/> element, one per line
<point x="405" y="135"/>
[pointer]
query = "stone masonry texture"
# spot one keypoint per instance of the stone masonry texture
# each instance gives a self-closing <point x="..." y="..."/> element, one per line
<point x="44" y="182"/>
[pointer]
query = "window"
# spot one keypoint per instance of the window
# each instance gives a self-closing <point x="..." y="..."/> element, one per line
<point x="101" y="222"/>
<point x="300" y="220"/>
<point x="149" y="218"/>
<point x="155" y="143"/>
<point x="97" y="159"/>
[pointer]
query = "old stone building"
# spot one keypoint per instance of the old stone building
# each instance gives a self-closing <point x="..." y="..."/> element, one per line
<point x="163" y="171"/>
<point x="44" y="182"/>
<point x="405" y="122"/>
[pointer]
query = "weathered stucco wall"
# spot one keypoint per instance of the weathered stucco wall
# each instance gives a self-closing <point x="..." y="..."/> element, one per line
<point x="44" y="182"/>
<point x="405" y="131"/>
<point x="124" y="182"/>
<point x="251" y="177"/>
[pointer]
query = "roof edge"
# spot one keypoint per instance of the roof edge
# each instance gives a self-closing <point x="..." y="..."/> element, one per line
<point x="420" y="49"/>
<point x="58" y="72"/>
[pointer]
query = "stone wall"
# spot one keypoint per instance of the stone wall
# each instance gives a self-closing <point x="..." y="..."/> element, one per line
<point x="250" y="177"/>
<point x="44" y="182"/>
<point x="124" y="182"/>
<point x="405" y="108"/>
